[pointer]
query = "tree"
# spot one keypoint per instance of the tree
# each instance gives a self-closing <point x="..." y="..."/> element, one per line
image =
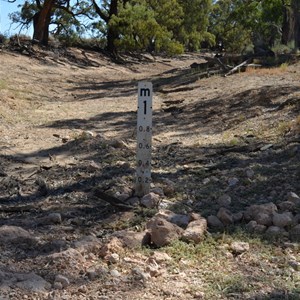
<point x="194" y="29"/>
<point x="42" y="14"/>
<point x="291" y="23"/>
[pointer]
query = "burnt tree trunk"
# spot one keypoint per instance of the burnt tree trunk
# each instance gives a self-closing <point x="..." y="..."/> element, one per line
<point x="41" y="22"/>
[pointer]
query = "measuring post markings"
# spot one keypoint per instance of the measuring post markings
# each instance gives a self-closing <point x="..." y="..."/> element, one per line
<point x="144" y="138"/>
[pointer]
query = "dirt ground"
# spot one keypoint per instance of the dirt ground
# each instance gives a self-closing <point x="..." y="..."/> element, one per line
<point x="68" y="124"/>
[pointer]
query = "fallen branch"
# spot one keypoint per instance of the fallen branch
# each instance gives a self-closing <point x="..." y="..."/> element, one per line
<point x="236" y="68"/>
<point x="111" y="200"/>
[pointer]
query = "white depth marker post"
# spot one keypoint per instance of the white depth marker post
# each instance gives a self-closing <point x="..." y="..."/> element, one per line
<point x="144" y="138"/>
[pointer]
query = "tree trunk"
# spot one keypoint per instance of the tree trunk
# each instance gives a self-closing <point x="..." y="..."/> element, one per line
<point x="112" y="34"/>
<point x="291" y="24"/>
<point x="41" y="22"/>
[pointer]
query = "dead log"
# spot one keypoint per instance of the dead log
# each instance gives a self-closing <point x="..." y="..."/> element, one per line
<point x="236" y="68"/>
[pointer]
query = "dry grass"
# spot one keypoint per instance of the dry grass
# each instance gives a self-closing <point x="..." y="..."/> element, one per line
<point x="267" y="71"/>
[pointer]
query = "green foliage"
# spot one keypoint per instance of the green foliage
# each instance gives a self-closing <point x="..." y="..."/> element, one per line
<point x="139" y="29"/>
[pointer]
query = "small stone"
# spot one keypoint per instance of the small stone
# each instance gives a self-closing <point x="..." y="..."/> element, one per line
<point x="233" y="181"/>
<point x="266" y="147"/>
<point x="287" y="206"/>
<point x="225" y="216"/>
<point x="16" y="235"/>
<point x="178" y="219"/>
<point x="250" y="173"/>
<point x="113" y="258"/>
<point x="224" y="200"/>
<point x="195" y="232"/>
<point x="158" y="190"/>
<point x="237" y="217"/>
<point x="206" y="181"/>
<point x="275" y="232"/>
<point x="260" y="228"/>
<point x="293" y="197"/>
<point x="91" y="274"/>
<point x="283" y="220"/>
<point x="82" y="289"/>
<point x="57" y="285"/>
<point x="169" y="187"/>
<point x="133" y="201"/>
<point x="263" y="219"/>
<point x="139" y="274"/>
<point x="254" y="210"/>
<point x="239" y="247"/>
<point x="214" y="222"/>
<point x="160" y="257"/>
<point x="115" y="273"/>
<point x="251" y="226"/>
<point x="150" y="200"/>
<point x="53" y="218"/>
<point x="295" y="265"/>
<point x="163" y="232"/>
<point x="62" y="279"/>
<point x="115" y="245"/>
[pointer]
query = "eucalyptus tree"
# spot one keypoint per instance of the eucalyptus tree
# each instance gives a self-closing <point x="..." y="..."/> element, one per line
<point x="61" y="14"/>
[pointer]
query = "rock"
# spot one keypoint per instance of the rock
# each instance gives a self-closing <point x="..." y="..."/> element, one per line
<point x="112" y="258"/>
<point x="31" y="281"/>
<point x="224" y="200"/>
<point x="150" y="200"/>
<point x="263" y="219"/>
<point x="158" y="190"/>
<point x="87" y="244"/>
<point x="57" y="285"/>
<point x="254" y="210"/>
<point x="195" y="232"/>
<point x="233" y="181"/>
<point x="225" y="216"/>
<point x="295" y="233"/>
<point x="94" y="273"/>
<point x="260" y="228"/>
<point x="16" y="235"/>
<point x="295" y="265"/>
<point x="287" y="206"/>
<point x="139" y="274"/>
<point x="133" y="239"/>
<point x="253" y="227"/>
<point x="194" y="216"/>
<point x="275" y="232"/>
<point x="160" y="257"/>
<point x="70" y="258"/>
<point x="293" y="197"/>
<point x="134" y="201"/>
<point x="169" y="187"/>
<point x="53" y="218"/>
<point x="178" y="219"/>
<point x="163" y="232"/>
<point x="296" y="220"/>
<point x="115" y="273"/>
<point x="153" y="270"/>
<point x="283" y="220"/>
<point x="239" y="247"/>
<point x="63" y="280"/>
<point x="250" y="173"/>
<point x="237" y="217"/>
<point x="113" y="246"/>
<point x="214" y="222"/>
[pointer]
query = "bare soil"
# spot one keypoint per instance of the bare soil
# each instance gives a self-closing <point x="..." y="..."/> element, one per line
<point x="68" y="125"/>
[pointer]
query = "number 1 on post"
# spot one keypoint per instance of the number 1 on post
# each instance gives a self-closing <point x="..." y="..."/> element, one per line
<point x="144" y="138"/>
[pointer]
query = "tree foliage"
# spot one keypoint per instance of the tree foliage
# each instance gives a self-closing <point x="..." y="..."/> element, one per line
<point x="170" y="26"/>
